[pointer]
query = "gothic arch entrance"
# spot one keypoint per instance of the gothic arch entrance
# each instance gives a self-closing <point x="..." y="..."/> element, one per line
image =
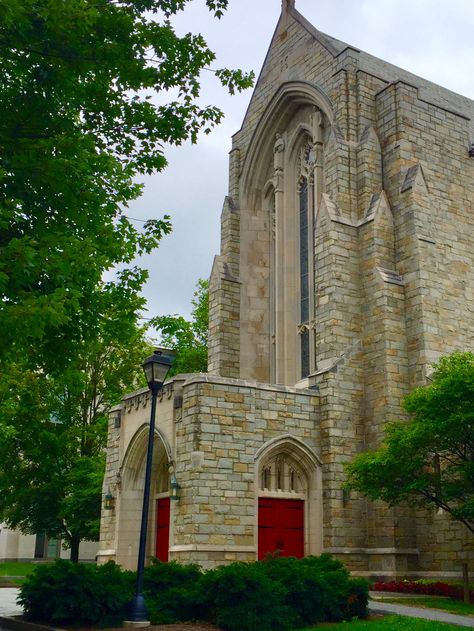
<point x="131" y="499"/>
<point x="289" y="501"/>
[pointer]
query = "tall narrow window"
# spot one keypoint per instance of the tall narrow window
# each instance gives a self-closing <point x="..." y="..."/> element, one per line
<point x="304" y="276"/>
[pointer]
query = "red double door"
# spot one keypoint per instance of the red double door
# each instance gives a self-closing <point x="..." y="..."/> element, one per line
<point x="280" y="527"/>
<point x="162" y="528"/>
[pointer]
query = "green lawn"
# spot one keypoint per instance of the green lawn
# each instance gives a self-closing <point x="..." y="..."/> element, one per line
<point x="389" y="623"/>
<point x="19" y="570"/>
<point x="433" y="602"/>
<point x="16" y="569"/>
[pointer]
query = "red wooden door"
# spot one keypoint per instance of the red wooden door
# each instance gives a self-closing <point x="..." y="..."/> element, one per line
<point x="162" y="528"/>
<point x="280" y="527"/>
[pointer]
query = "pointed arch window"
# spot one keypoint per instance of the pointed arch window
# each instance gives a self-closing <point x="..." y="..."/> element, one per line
<point x="305" y="205"/>
<point x="304" y="276"/>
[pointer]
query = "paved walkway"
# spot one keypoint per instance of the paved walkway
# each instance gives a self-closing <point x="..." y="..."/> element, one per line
<point x="8" y="606"/>
<point x="377" y="606"/>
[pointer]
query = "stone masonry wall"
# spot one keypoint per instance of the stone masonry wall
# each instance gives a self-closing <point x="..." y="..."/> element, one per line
<point x="224" y="424"/>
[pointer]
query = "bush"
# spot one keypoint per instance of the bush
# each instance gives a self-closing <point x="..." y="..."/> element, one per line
<point x="278" y="594"/>
<point x="319" y="589"/>
<point x="73" y="593"/>
<point x="242" y="597"/>
<point x="172" y="592"/>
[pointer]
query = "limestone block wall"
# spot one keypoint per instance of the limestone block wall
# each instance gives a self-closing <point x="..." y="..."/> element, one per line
<point x="125" y="471"/>
<point x="213" y="432"/>
<point x="224" y="428"/>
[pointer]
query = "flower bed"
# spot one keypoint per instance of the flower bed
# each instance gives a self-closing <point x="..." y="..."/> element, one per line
<point x="427" y="588"/>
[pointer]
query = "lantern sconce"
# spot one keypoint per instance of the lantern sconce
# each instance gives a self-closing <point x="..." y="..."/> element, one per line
<point x="109" y="501"/>
<point x="174" y="488"/>
<point x="471" y="150"/>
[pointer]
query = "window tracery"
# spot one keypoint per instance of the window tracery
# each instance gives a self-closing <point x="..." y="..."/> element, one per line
<point x="281" y="475"/>
<point x="297" y="185"/>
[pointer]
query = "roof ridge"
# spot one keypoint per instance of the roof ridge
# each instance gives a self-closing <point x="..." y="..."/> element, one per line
<point x="328" y="42"/>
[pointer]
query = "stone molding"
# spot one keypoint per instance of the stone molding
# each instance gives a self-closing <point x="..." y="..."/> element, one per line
<point x="410" y="551"/>
<point x="198" y="547"/>
<point x="196" y="378"/>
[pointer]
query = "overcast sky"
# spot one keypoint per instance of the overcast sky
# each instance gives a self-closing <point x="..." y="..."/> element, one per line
<point x="431" y="38"/>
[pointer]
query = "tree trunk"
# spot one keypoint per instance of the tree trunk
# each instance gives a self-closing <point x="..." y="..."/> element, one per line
<point x="75" y="541"/>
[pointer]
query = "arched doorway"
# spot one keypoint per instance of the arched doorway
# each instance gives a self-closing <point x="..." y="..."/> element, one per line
<point x="130" y="499"/>
<point x="289" y="499"/>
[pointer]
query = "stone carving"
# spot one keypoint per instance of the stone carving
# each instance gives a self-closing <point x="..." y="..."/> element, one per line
<point x="279" y="152"/>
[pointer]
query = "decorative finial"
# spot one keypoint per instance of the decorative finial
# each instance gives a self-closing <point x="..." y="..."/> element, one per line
<point x="286" y="5"/>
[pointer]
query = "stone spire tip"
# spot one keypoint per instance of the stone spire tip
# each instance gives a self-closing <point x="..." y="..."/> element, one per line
<point x="286" y="5"/>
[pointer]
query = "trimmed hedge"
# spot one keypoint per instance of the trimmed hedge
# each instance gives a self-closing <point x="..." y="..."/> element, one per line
<point x="80" y="594"/>
<point x="171" y="592"/>
<point x="277" y="594"/>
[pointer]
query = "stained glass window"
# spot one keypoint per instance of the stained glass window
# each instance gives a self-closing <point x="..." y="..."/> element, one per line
<point x="304" y="276"/>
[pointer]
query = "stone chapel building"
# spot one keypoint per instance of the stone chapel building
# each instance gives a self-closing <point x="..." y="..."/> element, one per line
<point x="345" y="271"/>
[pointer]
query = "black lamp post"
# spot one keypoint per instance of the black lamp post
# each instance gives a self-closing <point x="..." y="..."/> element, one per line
<point x="156" y="368"/>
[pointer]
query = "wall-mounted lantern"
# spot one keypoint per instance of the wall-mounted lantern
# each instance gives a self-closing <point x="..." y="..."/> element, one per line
<point x="109" y="501"/>
<point x="174" y="488"/>
<point x="471" y="150"/>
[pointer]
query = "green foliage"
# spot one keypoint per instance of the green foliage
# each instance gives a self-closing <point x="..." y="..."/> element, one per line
<point x="390" y="623"/>
<point x="319" y="589"/>
<point x="429" y="460"/>
<point x="79" y="120"/>
<point x="55" y="428"/>
<point x="89" y="93"/>
<point x="171" y="591"/>
<point x="282" y="594"/>
<point x="188" y="338"/>
<point x="68" y="593"/>
<point x="241" y="597"/>
<point x="275" y="595"/>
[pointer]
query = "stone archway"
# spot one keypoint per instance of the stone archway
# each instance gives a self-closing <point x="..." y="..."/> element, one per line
<point x="289" y="499"/>
<point x="130" y="500"/>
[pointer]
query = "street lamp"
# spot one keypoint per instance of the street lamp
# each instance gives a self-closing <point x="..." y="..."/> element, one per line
<point x="156" y="368"/>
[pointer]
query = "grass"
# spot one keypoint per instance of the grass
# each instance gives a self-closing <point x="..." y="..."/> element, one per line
<point x="15" y="571"/>
<point x="389" y="623"/>
<point x="433" y="602"/>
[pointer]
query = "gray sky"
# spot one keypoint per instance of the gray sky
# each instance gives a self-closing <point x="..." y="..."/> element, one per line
<point x="431" y="38"/>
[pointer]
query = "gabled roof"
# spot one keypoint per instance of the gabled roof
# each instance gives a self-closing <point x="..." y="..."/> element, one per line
<point x="428" y="91"/>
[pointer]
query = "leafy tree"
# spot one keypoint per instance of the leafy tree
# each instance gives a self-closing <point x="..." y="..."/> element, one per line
<point x="52" y="450"/>
<point x="78" y="121"/>
<point x="188" y="337"/>
<point x="428" y="460"/>
<point x="90" y="92"/>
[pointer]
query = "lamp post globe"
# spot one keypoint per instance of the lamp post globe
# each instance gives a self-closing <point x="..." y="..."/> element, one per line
<point x="156" y="368"/>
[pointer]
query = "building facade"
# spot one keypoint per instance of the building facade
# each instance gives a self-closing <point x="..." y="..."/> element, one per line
<point x="345" y="271"/>
<point x="15" y="546"/>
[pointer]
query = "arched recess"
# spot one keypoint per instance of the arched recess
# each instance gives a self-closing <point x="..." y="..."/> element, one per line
<point x="130" y="498"/>
<point x="286" y="152"/>
<point x="289" y="487"/>
<point x="288" y="98"/>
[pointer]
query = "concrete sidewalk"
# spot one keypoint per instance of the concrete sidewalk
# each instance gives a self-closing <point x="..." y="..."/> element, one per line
<point x="8" y="606"/>
<point x="377" y="606"/>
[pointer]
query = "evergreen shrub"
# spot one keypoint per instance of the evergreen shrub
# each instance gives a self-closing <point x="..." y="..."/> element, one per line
<point x="78" y="594"/>
<point x="242" y="597"/>
<point x="319" y="589"/>
<point x="171" y="592"/>
<point x="278" y="594"/>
